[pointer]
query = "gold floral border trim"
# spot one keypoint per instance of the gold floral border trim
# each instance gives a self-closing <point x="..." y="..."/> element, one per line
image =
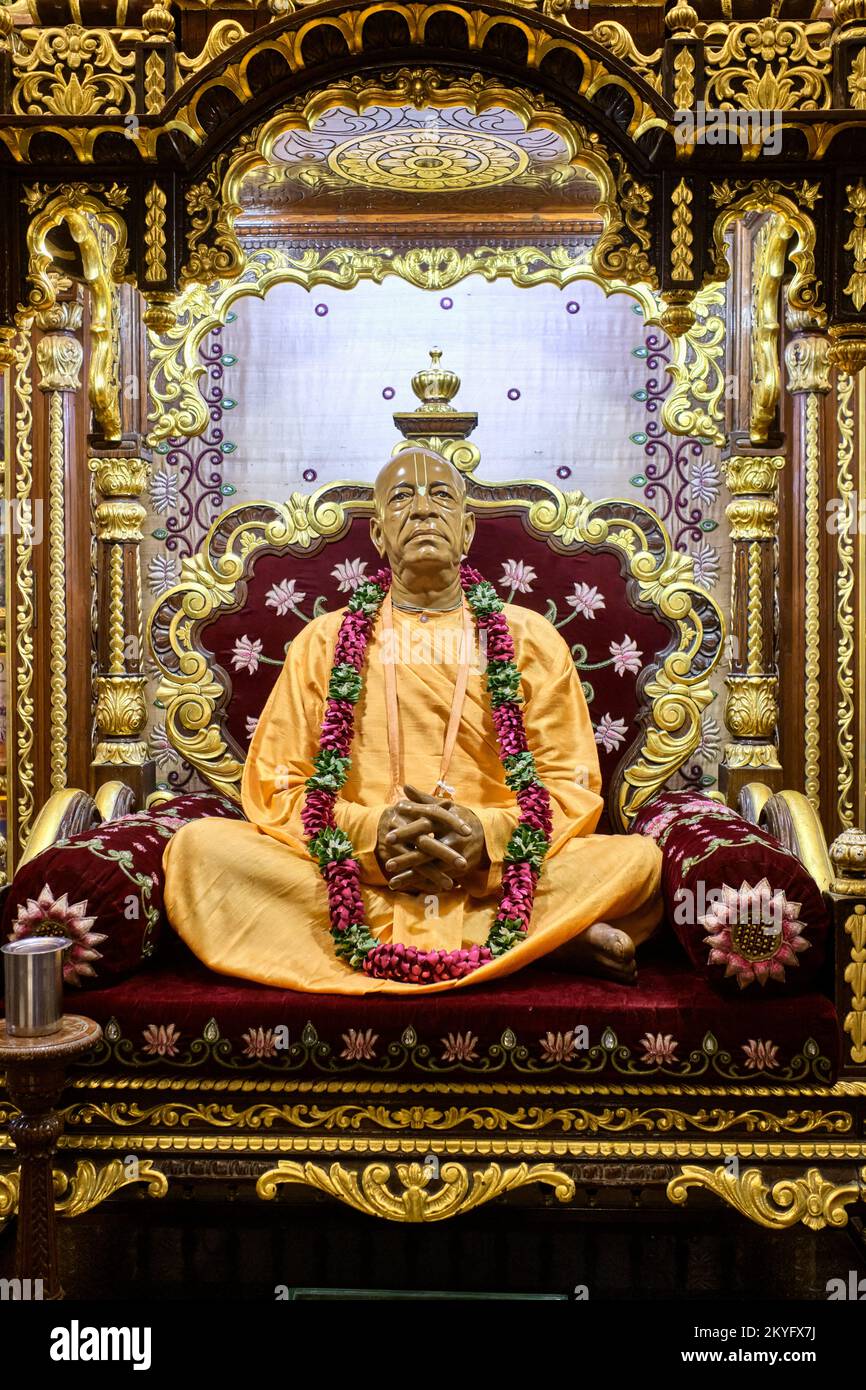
<point x="530" y="1118"/>
<point x="21" y="772"/>
<point x="845" y="588"/>
<point x="674" y="693"/>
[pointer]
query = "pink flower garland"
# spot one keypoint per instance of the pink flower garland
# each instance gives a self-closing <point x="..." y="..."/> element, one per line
<point x="332" y="848"/>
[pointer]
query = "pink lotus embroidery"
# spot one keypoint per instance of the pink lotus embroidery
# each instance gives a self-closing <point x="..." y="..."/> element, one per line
<point x="360" y="1046"/>
<point x="284" y="597"/>
<point x="610" y="732"/>
<point x="659" y="1049"/>
<point x="459" y="1047"/>
<point x="558" y="1047"/>
<point x="761" y="1056"/>
<point x="754" y="933"/>
<point x="585" y="600"/>
<point x="246" y="653"/>
<point x="50" y="916"/>
<point x="259" y="1042"/>
<point x="626" y="656"/>
<point x="349" y="574"/>
<point x="161" y="1039"/>
<point x="518" y="576"/>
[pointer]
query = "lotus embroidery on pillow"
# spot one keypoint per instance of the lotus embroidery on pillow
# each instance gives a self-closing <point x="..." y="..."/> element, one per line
<point x="754" y="932"/>
<point x="50" y="916"/>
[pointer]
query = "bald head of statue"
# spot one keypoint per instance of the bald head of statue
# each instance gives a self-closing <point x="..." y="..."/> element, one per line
<point x="422" y="525"/>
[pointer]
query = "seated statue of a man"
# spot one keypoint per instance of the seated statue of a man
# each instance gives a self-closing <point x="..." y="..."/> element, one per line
<point x="421" y="790"/>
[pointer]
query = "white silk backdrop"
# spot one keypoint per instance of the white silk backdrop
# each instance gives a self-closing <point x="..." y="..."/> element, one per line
<point x="567" y="385"/>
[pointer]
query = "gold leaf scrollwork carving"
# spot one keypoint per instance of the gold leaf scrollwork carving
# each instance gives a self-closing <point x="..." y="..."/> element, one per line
<point x="806" y="358"/>
<point x="768" y="65"/>
<point x="178" y="405"/>
<point x="120" y="705"/>
<point x="694" y="403"/>
<point x="811" y="1199"/>
<point x="752" y="708"/>
<point x="857" y="81"/>
<point x="72" y="72"/>
<point x="89" y="1185"/>
<point x="213" y="250"/>
<point x="856" y="243"/>
<point x="59" y="358"/>
<point x="619" y="41"/>
<point x="420" y="1197"/>
<point x="625" y="205"/>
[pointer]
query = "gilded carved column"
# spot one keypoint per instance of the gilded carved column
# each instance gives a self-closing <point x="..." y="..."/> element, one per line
<point x="809" y="380"/>
<point x="752" y="705"/>
<point x="59" y="357"/>
<point x="121" y="713"/>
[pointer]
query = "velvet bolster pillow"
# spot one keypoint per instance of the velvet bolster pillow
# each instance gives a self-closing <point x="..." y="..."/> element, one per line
<point x="746" y="911"/>
<point x="104" y="889"/>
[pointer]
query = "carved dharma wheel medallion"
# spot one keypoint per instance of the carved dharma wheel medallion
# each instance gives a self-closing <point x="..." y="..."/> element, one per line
<point x="428" y="161"/>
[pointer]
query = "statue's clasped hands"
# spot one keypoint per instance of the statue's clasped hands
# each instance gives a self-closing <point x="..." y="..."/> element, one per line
<point x="427" y="844"/>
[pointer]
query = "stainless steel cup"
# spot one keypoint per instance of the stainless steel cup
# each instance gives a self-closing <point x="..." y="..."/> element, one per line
<point x="33" y="969"/>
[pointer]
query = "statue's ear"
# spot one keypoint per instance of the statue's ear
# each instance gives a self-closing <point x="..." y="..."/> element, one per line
<point x="376" y="535"/>
<point x="468" y="531"/>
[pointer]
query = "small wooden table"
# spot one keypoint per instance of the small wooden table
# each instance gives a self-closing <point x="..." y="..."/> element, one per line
<point x="35" y="1076"/>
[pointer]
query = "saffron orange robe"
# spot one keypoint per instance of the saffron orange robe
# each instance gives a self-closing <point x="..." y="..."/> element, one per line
<point x="248" y="898"/>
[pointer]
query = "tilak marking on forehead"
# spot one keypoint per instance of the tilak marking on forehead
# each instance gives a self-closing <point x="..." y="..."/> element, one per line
<point x="422" y="487"/>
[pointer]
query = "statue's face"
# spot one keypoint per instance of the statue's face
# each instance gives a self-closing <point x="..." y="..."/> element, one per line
<point x="421" y="522"/>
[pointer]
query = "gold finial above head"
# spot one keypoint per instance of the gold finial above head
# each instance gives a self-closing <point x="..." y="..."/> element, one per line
<point x="848" y="855"/>
<point x="435" y="386"/>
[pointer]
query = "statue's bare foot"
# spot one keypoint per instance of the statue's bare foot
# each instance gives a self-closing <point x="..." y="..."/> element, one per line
<point x="600" y="950"/>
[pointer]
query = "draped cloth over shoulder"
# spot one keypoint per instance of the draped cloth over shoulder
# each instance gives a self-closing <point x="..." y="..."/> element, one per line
<point x="247" y="897"/>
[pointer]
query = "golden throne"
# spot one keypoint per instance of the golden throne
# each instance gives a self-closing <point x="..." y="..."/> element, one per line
<point x="412" y="1112"/>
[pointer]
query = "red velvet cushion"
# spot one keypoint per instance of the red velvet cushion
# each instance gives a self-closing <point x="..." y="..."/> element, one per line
<point x="745" y="909"/>
<point x="537" y="1024"/>
<point x="104" y="889"/>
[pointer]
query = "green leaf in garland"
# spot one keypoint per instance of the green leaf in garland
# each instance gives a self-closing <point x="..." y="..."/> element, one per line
<point x="483" y="599"/>
<point x="354" y="944"/>
<point x="520" y="771"/>
<point x="345" y="683"/>
<point x="506" y="932"/>
<point x="330" y="773"/>
<point x="331" y="845"/>
<point x="527" y="845"/>
<point x="503" y="682"/>
<point x="367" y="598"/>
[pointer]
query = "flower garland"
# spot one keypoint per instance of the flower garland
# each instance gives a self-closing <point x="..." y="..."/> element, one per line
<point x="332" y="848"/>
